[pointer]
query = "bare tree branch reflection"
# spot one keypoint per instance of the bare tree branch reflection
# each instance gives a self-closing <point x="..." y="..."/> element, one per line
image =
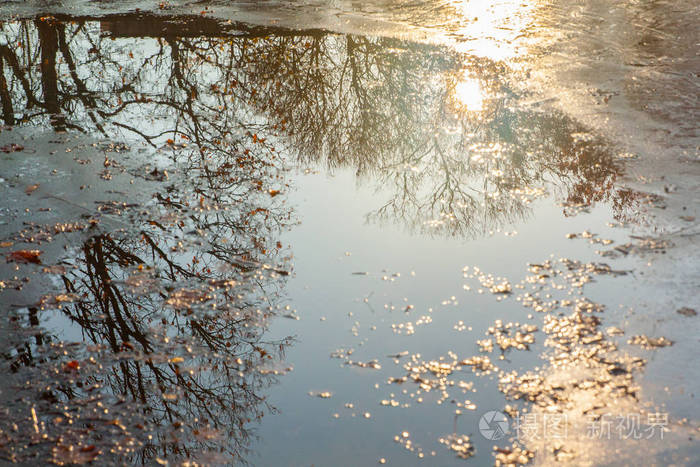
<point x="177" y="305"/>
<point x="381" y="106"/>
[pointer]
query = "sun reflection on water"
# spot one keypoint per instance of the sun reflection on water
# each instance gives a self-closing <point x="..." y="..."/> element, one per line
<point x="468" y="94"/>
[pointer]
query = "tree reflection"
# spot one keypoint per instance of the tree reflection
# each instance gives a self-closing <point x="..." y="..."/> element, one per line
<point x="390" y="110"/>
<point x="175" y="309"/>
<point x="382" y="106"/>
<point x="189" y="346"/>
<point x="177" y="304"/>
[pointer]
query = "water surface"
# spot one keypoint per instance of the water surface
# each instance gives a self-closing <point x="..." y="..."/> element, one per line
<point x="340" y="234"/>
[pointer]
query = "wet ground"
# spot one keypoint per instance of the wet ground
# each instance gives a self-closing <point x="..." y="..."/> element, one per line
<point x="324" y="233"/>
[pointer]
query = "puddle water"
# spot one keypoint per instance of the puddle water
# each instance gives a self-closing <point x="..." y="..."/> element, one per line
<point x="314" y="234"/>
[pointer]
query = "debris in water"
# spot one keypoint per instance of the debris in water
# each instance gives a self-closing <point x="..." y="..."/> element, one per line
<point x="613" y="331"/>
<point x="460" y="444"/>
<point x="650" y="342"/>
<point x="512" y="456"/>
<point x="686" y="311"/>
<point x="511" y="335"/>
<point x="24" y="256"/>
<point x="398" y="355"/>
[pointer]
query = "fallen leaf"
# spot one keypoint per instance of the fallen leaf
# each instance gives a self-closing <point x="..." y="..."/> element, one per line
<point x="11" y="148"/>
<point x="650" y="342"/>
<point x="686" y="311"/>
<point x="117" y="423"/>
<point x="73" y="365"/>
<point x="274" y="193"/>
<point x="31" y="189"/>
<point x="24" y="256"/>
<point x="63" y="454"/>
<point x="55" y="269"/>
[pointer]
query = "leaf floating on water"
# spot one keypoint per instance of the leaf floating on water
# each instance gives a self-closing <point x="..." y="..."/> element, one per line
<point x="650" y="342"/>
<point x="514" y="455"/>
<point x="396" y="380"/>
<point x="11" y="148"/>
<point x="31" y="189"/>
<point x="479" y="364"/>
<point x="509" y="336"/>
<point x="373" y="364"/>
<point x="69" y="455"/>
<point x="58" y="299"/>
<point x="460" y="444"/>
<point x="117" y="423"/>
<point x="54" y="269"/>
<point x="6" y="244"/>
<point x="686" y="311"/>
<point x="502" y="288"/>
<point x="24" y="256"/>
<point x="206" y="434"/>
<point x="73" y="365"/>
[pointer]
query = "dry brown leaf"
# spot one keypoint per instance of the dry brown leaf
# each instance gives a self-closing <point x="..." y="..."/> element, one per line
<point x="73" y="365"/>
<point x="24" y="256"/>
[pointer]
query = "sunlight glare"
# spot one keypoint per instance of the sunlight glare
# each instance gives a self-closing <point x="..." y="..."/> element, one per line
<point x="492" y="29"/>
<point x="469" y="95"/>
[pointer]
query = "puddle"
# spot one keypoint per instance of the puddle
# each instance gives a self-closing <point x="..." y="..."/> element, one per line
<point x="275" y="240"/>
